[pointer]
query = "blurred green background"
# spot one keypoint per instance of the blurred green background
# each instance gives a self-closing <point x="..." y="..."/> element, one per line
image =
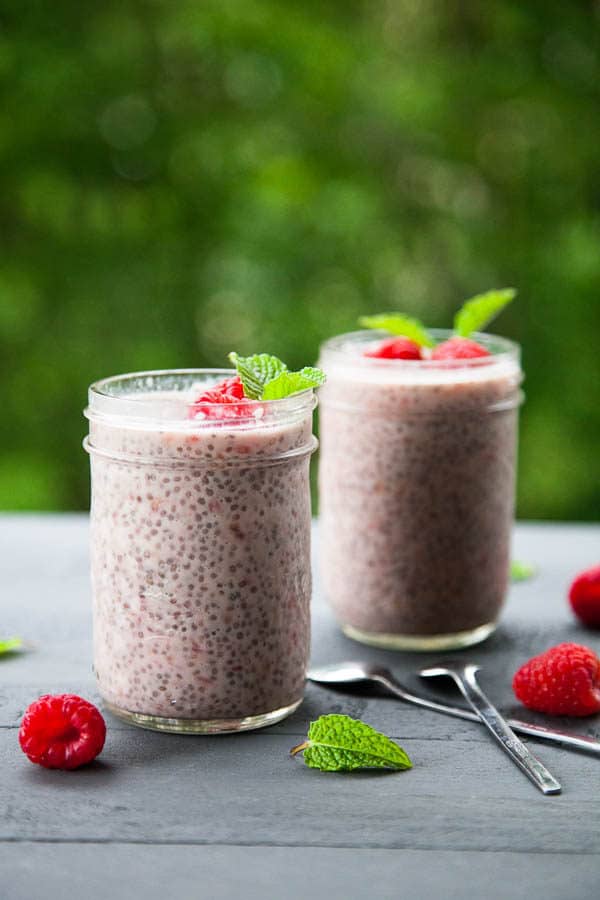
<point x="183" y="178"/>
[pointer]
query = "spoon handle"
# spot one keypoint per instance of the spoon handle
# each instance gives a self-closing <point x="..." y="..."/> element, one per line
<point x="504" y="734"/>
<point x="565" y="738"/>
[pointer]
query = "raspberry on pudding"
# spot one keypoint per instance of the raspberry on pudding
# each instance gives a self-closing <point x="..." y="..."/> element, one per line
<point x="224" y="400"/>
<point x="459" y="348"/>
<point x="395" y="348"/>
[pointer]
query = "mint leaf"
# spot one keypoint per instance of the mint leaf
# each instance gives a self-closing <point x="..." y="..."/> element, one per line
<point x="396" y="323"/>
<point x="521" y="571"/>
<point x="266" y="377"/>
<point x="256" y="371"/>
<point x="479" y="311"/>
<point x="10" y="645"/>
<point x="338" y="743"/>
<point x="287" y="383"/>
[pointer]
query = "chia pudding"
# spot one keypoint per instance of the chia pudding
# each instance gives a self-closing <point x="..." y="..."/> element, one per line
<point x="200" y="547"/>
<point x="417" y="479"/>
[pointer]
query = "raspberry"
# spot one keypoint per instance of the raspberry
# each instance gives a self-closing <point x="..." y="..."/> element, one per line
<point x="62" y="731"/>
<point x="459" y="348"/>
<point x="395" y="348"/>
<point x="224" y="400"/>
<point x="584" y="597"/>
<point x="563" y="681"/>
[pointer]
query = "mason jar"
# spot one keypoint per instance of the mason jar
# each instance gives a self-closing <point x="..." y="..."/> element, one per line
<point x="200" y="553"/>
<point x="417" y="483"/>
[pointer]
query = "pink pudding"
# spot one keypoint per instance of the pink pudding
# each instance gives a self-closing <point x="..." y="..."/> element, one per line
<point x="417" y="480"/>
<point x="200" y="545"/>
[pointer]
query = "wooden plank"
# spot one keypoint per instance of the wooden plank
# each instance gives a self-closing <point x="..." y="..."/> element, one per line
<point x="32" y="871"/>
<point x="462" y="795"/>
<point x="246" y="789"/>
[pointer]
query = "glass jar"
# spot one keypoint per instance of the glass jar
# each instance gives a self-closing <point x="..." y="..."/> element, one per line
<point x="417" y="481"/>
<point x="200" y="549"/>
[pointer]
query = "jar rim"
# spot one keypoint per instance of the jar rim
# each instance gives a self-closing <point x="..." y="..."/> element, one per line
<point x="131" y="399"/>
<point x="343" y="349"/>
<point x="99" y="386"/>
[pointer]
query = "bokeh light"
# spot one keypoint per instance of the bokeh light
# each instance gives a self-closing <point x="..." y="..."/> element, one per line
<point x="182" y="179"/>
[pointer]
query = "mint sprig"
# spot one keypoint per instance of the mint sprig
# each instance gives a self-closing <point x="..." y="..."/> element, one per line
<point x="287" y="383"/>
<point x="337" y="743"/>
<point x="479" y="311"/>
<point x="266" y="377"/>
<point x="397" y="323"/>
<point x="256" y="371"/>
<point x="10" y="645"/>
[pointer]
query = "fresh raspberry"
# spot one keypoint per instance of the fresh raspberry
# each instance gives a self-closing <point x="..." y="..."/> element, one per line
<point x="459" y="348"/>
<point x="584" y="596"/>
<point x="224" y="400"/>
<point x="395" y="348"/>
<point x="563" y="681"/>
<point x="62" y="731"/>
<point x="227" y="391"/>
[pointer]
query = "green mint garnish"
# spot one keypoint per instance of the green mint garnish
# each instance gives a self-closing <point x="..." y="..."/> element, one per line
<point x="396" y="323"/>
<point x="10" y="645"/>
<point x="338" y="743"/>
<point x="521" y="571"/>
<point x="479" y="311"/>
<point x="266" y="377"/>
<point x="256" y="371"/>
<point x="287" y="383"/>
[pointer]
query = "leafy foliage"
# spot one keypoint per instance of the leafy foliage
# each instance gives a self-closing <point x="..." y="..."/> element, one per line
<point x="183" y="178"/>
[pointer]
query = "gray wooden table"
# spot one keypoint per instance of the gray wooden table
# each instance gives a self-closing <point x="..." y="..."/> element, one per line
<point x="163" y="816"/>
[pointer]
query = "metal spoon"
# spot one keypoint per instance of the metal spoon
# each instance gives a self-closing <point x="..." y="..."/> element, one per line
<point x="464" y="678"/>
<point x="354" y="672"/>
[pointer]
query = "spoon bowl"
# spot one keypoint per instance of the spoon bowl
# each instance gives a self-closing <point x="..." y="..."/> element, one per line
<point x="343" y="673"/>
<point x="449" y="667"/>
<point x="354" y="672"/>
